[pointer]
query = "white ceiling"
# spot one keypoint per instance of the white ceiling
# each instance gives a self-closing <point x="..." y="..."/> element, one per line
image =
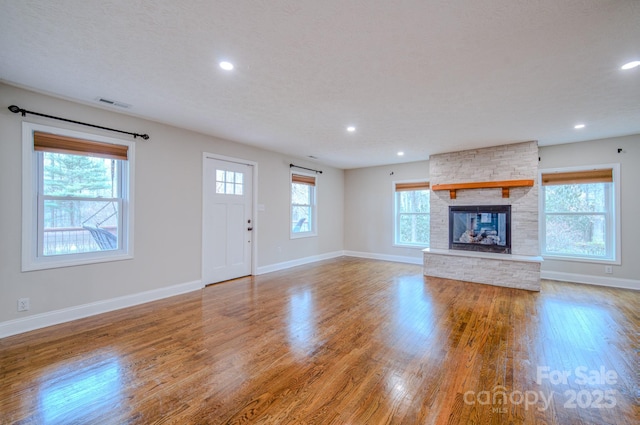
<point x="421" y="76"/>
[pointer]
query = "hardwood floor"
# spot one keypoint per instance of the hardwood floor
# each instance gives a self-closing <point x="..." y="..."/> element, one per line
<point x="344" y="341"/>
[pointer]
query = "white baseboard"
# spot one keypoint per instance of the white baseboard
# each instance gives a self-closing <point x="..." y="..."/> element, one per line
<point x="307" y="260"/>
<point x="299" y="262"/>
<point x="37" y="321"/>
<point x="613" y="282"/>
<point x="385" y="257"/>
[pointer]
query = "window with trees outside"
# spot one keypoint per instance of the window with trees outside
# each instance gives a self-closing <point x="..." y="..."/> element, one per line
<point x="303" y="205"/>
<point x="579" y="214"/>
<point x="76" y="198"/>
<point x="412" y="214"/>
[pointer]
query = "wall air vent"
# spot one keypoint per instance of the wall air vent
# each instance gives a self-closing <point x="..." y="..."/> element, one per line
<point x="113" y="103"/>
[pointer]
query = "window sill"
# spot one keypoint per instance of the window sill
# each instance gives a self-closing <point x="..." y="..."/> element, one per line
<point x="54" y="263"/>
<point x="581" y="259"/>
<point x="302" y="235"/>
<point x="414" y="246"/>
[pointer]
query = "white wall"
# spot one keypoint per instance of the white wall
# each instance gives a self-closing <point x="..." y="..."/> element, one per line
<point x="168" y="210"/>
<point x="595" y="152"/>
<point x="369" y="194"/>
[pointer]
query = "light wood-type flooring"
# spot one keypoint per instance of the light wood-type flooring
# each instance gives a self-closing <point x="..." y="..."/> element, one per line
<point x="343" y="341"/>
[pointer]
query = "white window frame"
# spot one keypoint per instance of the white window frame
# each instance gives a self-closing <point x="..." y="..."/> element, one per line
<point x="32" y="259"/>
<point x="313" y="231"/>
<point x="612" y="218"/>
<point x="396" y="216"/>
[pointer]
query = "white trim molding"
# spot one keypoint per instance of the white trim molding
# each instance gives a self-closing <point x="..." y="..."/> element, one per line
<point x="613" y="220"/>
<point x="613" y="282"/>
<point x="298" y="262"/>
<point x="386" y="257"/>
<point x="254" y="201"/>
<point x="33" y="257"/>
<point x="38" y="321"/>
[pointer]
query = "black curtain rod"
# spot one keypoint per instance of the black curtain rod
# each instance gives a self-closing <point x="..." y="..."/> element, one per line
<point x="305" y="168"/>
<point x="15" y="109"/>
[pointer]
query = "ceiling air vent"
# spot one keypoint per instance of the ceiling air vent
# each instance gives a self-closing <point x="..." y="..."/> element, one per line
<point x="113" y="103"/>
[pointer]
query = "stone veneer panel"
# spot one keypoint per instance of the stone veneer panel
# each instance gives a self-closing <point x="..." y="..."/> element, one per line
<point x="512" y="274"/>
<point x="508" y="162"/>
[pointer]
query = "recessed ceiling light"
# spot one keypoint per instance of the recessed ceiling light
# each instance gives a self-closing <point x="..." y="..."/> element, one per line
<point x="400" y="153"/>
<point x="227" y="66"/>
<point x="630" y="65"/>
<point x="351" y="129"/>
<point x="578" y="126"/>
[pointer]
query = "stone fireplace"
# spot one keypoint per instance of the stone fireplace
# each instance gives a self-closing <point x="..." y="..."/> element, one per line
<point x="502" y="178"/>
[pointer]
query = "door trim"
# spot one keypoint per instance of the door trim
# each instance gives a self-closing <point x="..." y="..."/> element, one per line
<point x="254" y="212"/>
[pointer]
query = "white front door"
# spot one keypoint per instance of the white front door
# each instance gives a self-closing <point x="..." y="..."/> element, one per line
<point x="227" y="220"/>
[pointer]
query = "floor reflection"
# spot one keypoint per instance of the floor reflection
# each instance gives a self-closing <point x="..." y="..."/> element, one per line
<point x="396" y="387"/>
<point x="578" y="325"/>
<point x="81" y="390"/>
<point x="301" y="326"/>
<point x="414" y="315"/>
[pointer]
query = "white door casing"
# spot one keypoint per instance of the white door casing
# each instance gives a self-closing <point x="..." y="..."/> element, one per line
<point x="227" y="235"/>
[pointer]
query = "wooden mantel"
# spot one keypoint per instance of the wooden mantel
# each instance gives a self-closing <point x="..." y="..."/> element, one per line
<point x="505" y="185"/>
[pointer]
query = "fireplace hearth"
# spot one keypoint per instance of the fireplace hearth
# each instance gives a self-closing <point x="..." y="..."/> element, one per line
<point x="484" y="228"/>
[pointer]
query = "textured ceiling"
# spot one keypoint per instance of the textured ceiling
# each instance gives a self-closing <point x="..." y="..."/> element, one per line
<point x="421" y="76"/>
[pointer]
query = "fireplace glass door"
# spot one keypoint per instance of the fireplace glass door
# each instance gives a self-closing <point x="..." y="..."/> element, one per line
<point x="484" y="228"/>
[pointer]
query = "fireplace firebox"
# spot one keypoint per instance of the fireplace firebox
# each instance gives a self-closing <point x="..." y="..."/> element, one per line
<point x="485" y="228"/>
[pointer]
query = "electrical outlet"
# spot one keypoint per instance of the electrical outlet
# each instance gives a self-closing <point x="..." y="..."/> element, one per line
<point x="608" y="269"/>
<point x="23" y="304"/>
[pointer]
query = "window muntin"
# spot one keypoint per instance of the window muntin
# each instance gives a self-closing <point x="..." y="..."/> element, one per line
<point x="229" y="182"/>
<point x="412" y="214"/>
<point x="579" y="214"/>
<point x="77" y="191"/>
<point x="76" y="198"/>
<point x="576" y="218"/>
<point x="303" y="205"/>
